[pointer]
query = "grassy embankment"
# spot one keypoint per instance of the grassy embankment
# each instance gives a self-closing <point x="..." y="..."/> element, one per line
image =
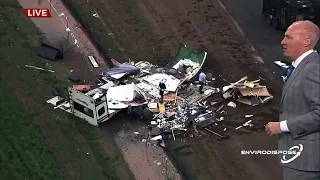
<point x="23" y="150"/>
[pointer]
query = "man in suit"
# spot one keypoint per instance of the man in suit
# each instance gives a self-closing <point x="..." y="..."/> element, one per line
<point x="299" y="122"/>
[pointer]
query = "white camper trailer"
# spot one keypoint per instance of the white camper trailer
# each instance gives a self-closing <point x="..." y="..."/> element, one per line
<point x="99" y="104"/>
<point x="91" y="106"/>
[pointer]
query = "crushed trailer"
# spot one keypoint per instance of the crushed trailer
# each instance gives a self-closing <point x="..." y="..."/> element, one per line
<point x="133" y="87"/>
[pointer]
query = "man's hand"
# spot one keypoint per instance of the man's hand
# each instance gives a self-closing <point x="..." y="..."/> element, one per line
<point x="273" y="128"/>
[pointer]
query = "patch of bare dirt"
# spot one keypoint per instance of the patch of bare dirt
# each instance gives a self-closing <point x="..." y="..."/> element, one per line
<point x="145" y="158"/>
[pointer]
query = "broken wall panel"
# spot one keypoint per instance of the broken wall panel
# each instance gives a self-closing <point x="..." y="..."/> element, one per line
<point x="261" y="91"/>
<point x="171" y="82"/>
<point x="122" y="92"/>
<point x="83" y="106"/>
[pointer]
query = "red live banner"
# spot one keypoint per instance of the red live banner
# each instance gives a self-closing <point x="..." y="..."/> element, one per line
<point x="38" y="12"/>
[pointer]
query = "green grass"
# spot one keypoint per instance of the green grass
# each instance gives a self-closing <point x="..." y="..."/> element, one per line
<point x="23" y="153"/>
<point x="107" y="163"/>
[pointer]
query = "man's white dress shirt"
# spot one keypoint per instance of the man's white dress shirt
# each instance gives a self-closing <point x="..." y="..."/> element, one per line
<point x="283" y="124"/>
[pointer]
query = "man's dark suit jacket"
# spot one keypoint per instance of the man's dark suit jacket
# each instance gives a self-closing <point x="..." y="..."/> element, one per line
<point x="300" y="106"/>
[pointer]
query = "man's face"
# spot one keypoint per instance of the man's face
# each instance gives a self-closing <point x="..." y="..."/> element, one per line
<point x="292" y="43"/>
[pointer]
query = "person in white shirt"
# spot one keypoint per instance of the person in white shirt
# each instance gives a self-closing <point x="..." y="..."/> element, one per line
<point x="299" y="121"/>
<point x="202" y="81"/>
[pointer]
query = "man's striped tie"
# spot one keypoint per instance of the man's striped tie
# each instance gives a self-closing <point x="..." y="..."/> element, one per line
<point x="289" y="71"/>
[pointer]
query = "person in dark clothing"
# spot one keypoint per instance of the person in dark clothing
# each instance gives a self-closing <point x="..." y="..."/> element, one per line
<point x="162" y="87"/>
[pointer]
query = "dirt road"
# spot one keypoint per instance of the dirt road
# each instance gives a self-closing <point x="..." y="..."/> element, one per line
<point x="63" y="31"/>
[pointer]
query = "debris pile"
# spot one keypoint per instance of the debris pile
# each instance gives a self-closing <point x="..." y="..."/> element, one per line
<point x="247" y="92"/>
<point x="135" y="87"/>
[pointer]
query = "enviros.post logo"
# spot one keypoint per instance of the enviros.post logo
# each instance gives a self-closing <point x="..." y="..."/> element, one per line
<point x="298" y="149"/>
<point x="287" y="155"/>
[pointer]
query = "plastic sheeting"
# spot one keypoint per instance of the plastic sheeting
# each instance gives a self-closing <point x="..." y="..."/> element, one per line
<point x="123" y="68"/>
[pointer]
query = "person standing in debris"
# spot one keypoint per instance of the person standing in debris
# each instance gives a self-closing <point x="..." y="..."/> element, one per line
<point x="299" y="109"/>
<point x="202" y="81"/>
<point x="162" y="87"/>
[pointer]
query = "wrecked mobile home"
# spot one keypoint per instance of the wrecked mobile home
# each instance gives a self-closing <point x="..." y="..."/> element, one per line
<point x="128" y="85"/>
<point x="134" y="87"/>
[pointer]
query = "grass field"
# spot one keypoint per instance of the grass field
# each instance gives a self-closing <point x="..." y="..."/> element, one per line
<point x="25" y="153"/>
<point x="22" y="152"/>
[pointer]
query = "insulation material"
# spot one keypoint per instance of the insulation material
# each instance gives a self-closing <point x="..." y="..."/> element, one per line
<point x="170" y="97"/>
<point x="81" y="87"/>
<point x="144" y="66"/>
<point x="188" y="63"/>
<point x="148" y="89"/>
